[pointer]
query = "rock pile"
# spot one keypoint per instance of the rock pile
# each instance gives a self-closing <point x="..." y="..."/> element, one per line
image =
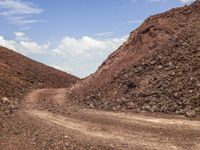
<point x="156" y="70"/>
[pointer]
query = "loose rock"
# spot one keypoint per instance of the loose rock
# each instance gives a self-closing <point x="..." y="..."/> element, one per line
<point x="191" y="113"/>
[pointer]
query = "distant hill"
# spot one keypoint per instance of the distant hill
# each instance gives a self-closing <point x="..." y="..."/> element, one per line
<point x="19" y="74"/>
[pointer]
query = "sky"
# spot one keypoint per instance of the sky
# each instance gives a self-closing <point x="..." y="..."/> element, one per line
<point x="75" y="36"/>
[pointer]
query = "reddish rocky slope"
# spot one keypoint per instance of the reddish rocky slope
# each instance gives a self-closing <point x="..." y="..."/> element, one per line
<point x="157" y="69"/>
<point x="19" y="74"/>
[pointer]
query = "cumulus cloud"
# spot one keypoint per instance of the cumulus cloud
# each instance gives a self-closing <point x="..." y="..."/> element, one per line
<point x="21" y="36"/>
<point x="79" y="47"/>
<point x="18" y="12"/>
<point x="87" y="53"/>
<point x="33" y="47"/>
<point x="186" y="1"/>
<point x="87" y="47"/>
<point x="23" y="44"/>
<point x="77" y="56"/>
<point x="11" y="44"/>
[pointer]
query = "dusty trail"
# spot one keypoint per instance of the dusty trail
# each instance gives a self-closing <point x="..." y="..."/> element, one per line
<point x="120" y="130"/>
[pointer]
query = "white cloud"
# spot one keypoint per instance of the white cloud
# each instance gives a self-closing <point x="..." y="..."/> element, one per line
<point x="18" y="12"/>
<point x="11" y="44"/>
<point x="85" y="54"/>
<point x="135" y="21"/>
<point x="22" y="20"/>
<point x="21" y="36"/>
<point x="186" y="1"/>
<point x="104" y="34"/>
<point x="77" y="56"/>
<point x="19" y="7"/>
<point x="23" y="44"/>
<point x="33" y="47"/>
<point x="65" y="68"/>
<point x="74" y="47"/>
<point x="86" y="46"/>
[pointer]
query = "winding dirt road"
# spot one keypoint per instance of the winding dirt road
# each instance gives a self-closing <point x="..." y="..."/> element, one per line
<point x="119" y="130"/>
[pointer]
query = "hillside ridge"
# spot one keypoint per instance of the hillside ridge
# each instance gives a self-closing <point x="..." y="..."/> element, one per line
<point x="155" y="70"/>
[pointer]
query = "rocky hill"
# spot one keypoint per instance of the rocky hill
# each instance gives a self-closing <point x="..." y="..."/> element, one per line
<point x="19" y="74"/>
<point x="157" y="69"/>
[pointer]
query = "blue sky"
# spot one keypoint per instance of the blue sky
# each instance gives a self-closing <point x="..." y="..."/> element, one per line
<point x="73" y="35"/>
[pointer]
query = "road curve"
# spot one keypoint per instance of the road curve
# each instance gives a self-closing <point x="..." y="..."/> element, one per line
<point x="121" y="130"/>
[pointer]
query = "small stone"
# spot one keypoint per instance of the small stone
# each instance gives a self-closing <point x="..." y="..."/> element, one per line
<point x="114" y="108"/>
<point x="5" y="100"/>
<point x="191" y="113"/>
<point x="155" y="109"/>
<point x="197" y="110"/>
<point x="138" y="110"/>
<point x="173" y="73"/>
<point x="147" y="108"/>
<point x="126" y="75"/>
<point x="164" y="108"/>
<point x="180" y="112"/>
<point x="91" y="105"/>
<point x="153" y="62"/>
<point x="198" y="84"/>
<point x="176" y="95"/>
<point x="66" y="144"/>
<point x="184" y="44"/>
<point x="8" y="112"/>
<point x="131" y="105"/>
<point x="66" y="137"/>
<point x="131" y="85"/>
<point x="170" y="63"/>
<point x="172" y="108"/>
<point x="190" y="91"/>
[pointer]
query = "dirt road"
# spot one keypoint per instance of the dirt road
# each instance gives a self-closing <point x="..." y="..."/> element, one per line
<point x="119" y="130"/>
